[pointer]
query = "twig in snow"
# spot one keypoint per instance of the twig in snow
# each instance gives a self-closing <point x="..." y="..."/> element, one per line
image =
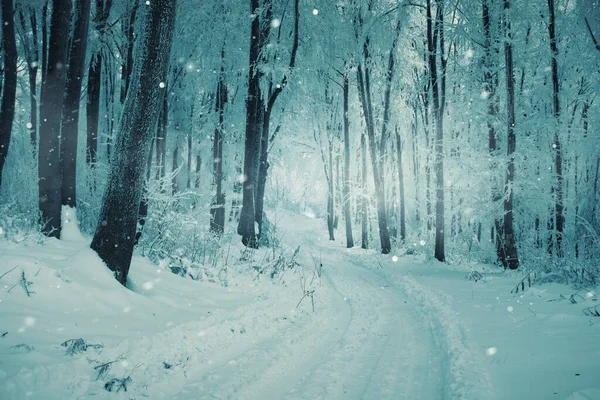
<point x="25" y="283"/>
<point x="7" y="272"/>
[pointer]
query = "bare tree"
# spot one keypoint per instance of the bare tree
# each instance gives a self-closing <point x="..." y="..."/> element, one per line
<point x="115" y="233"/>
<point x="7" y="108"/>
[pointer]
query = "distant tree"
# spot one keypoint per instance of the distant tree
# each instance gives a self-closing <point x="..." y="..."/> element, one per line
<point x="115" y="233"/>
<point x="217" y="210"/>
<point x="9" y="86"/>
<point x="70" y="113"/>
<point x="94" y="81"/>
<point x="510" y="258"/>
<point x="53" y="88"/>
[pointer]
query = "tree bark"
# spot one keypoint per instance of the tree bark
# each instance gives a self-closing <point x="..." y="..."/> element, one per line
<point x="32" y="57"/>
<point x="401" y="188"/>
<point x="252" y="141"/>
<point x="217" y="209"/>
<point x="346" y="185"/>
<point x="364" y="89"/>
<point x="115" y="233"/>
<point x="511" y="259"/>
<point x="558" y="206"/>
<point x="70" y="113"/>
<point x="94" y="83"/>
<point x="9" y="90"/>
<point x="50" y="119"/>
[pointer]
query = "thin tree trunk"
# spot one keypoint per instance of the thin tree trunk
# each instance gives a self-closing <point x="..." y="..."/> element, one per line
<point x="490" y="88"/>
<point x="94" y="83"/>
<point x="364" y="89"/>
<point x="189" y="148"/>
<point x="510" y="250"/>
<point x="217" y="210"/>
<point x="70" y="112"/>
<point x="346" y="185"/>
<point x="115" y="233"/>
<point x="32" y="58"/>
<point x="432" y="44"/>
<point x="558" y="208"/>
<point x="50" y="117"/>
<point x="127" y="66"/>
<point x="9" y="90"/>
<point x="364" y="204"/>
<point x="401" y="187"/>
<point x="252" y="141"/>
<point x="263" y="165"/>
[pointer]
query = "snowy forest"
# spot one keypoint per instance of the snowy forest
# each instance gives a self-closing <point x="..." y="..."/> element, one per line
<point x="294" y="199"/>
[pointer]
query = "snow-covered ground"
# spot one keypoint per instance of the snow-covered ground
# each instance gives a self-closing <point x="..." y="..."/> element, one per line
<point x="383" y="327"/>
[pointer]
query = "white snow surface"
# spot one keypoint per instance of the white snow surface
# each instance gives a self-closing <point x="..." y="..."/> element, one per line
<point x="382" y="328"/>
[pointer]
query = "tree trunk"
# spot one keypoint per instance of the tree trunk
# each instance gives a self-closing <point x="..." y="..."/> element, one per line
<point x="264" y="136"/>
<point x="32" y="58"/>
<point x="346" y="185"/>
<point x="198" y="169"/>
<point x="401" y="188"/>
<point x="9" y="90"/>
<point x="127" y="66"/>
<point x="189" y="148"/>
<point x="438" y="100"/>
<point x="490" y="88"/>
<point x="161" y="136"/>
<point x="364" y="89"/>
<point x="217" y="210"/>
<point x="94" y="83"/>
<point x="70" y="113"/>
<point x="115" y="233"/>
<point x="50" y="117"/>
<point x="510" y="250"/>
<point x="364" y="203"/>
<point x="252" y="142"/>
<point x="558" y="207"/>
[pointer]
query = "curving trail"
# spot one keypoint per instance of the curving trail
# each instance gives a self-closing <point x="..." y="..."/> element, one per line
<point x="367" y="341"/>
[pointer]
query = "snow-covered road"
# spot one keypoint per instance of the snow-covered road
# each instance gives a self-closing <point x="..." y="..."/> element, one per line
<point x="382" y="328"/>
<point x="368" y="342"/>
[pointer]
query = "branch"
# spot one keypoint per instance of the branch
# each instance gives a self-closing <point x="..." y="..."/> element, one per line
<point x="592" y="35"/>
<point x="279" y="88"/>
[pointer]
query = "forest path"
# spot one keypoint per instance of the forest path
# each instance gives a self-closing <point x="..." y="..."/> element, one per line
<point x="366" y="341"/>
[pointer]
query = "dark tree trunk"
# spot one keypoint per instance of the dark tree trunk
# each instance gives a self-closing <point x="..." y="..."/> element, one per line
<point x="45" y="35"/>
<point x="364" y="201"/>
<point x="70" y="113"/>
<point x="263" y="165"/>
<point x="127" y="67"/>
<point x="330" y="193"/>
<point x="189" y="148"/>
<point x="234" y="214"/>
<point x="94" y="83"/>
<point x="32" y="57"/>
<point x="401" y="188"/>
<point x="50" y="117"/>
<point x="438" y="100"/>
<point x="115" y="233"/>
<point x="9" y="90"/>
<point x="198" y="170"/>
<point x="175" y="165"/>
<point x="161" y="136"/>
<point x="558" y="207"/>
<point x="346" y="186"/>
<point x="364" y="91"/>
<point x="492" y="106"/>
<point x="510" y="250"/>
<point x="217" y="210"/>
<point x="252" y="142"/>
